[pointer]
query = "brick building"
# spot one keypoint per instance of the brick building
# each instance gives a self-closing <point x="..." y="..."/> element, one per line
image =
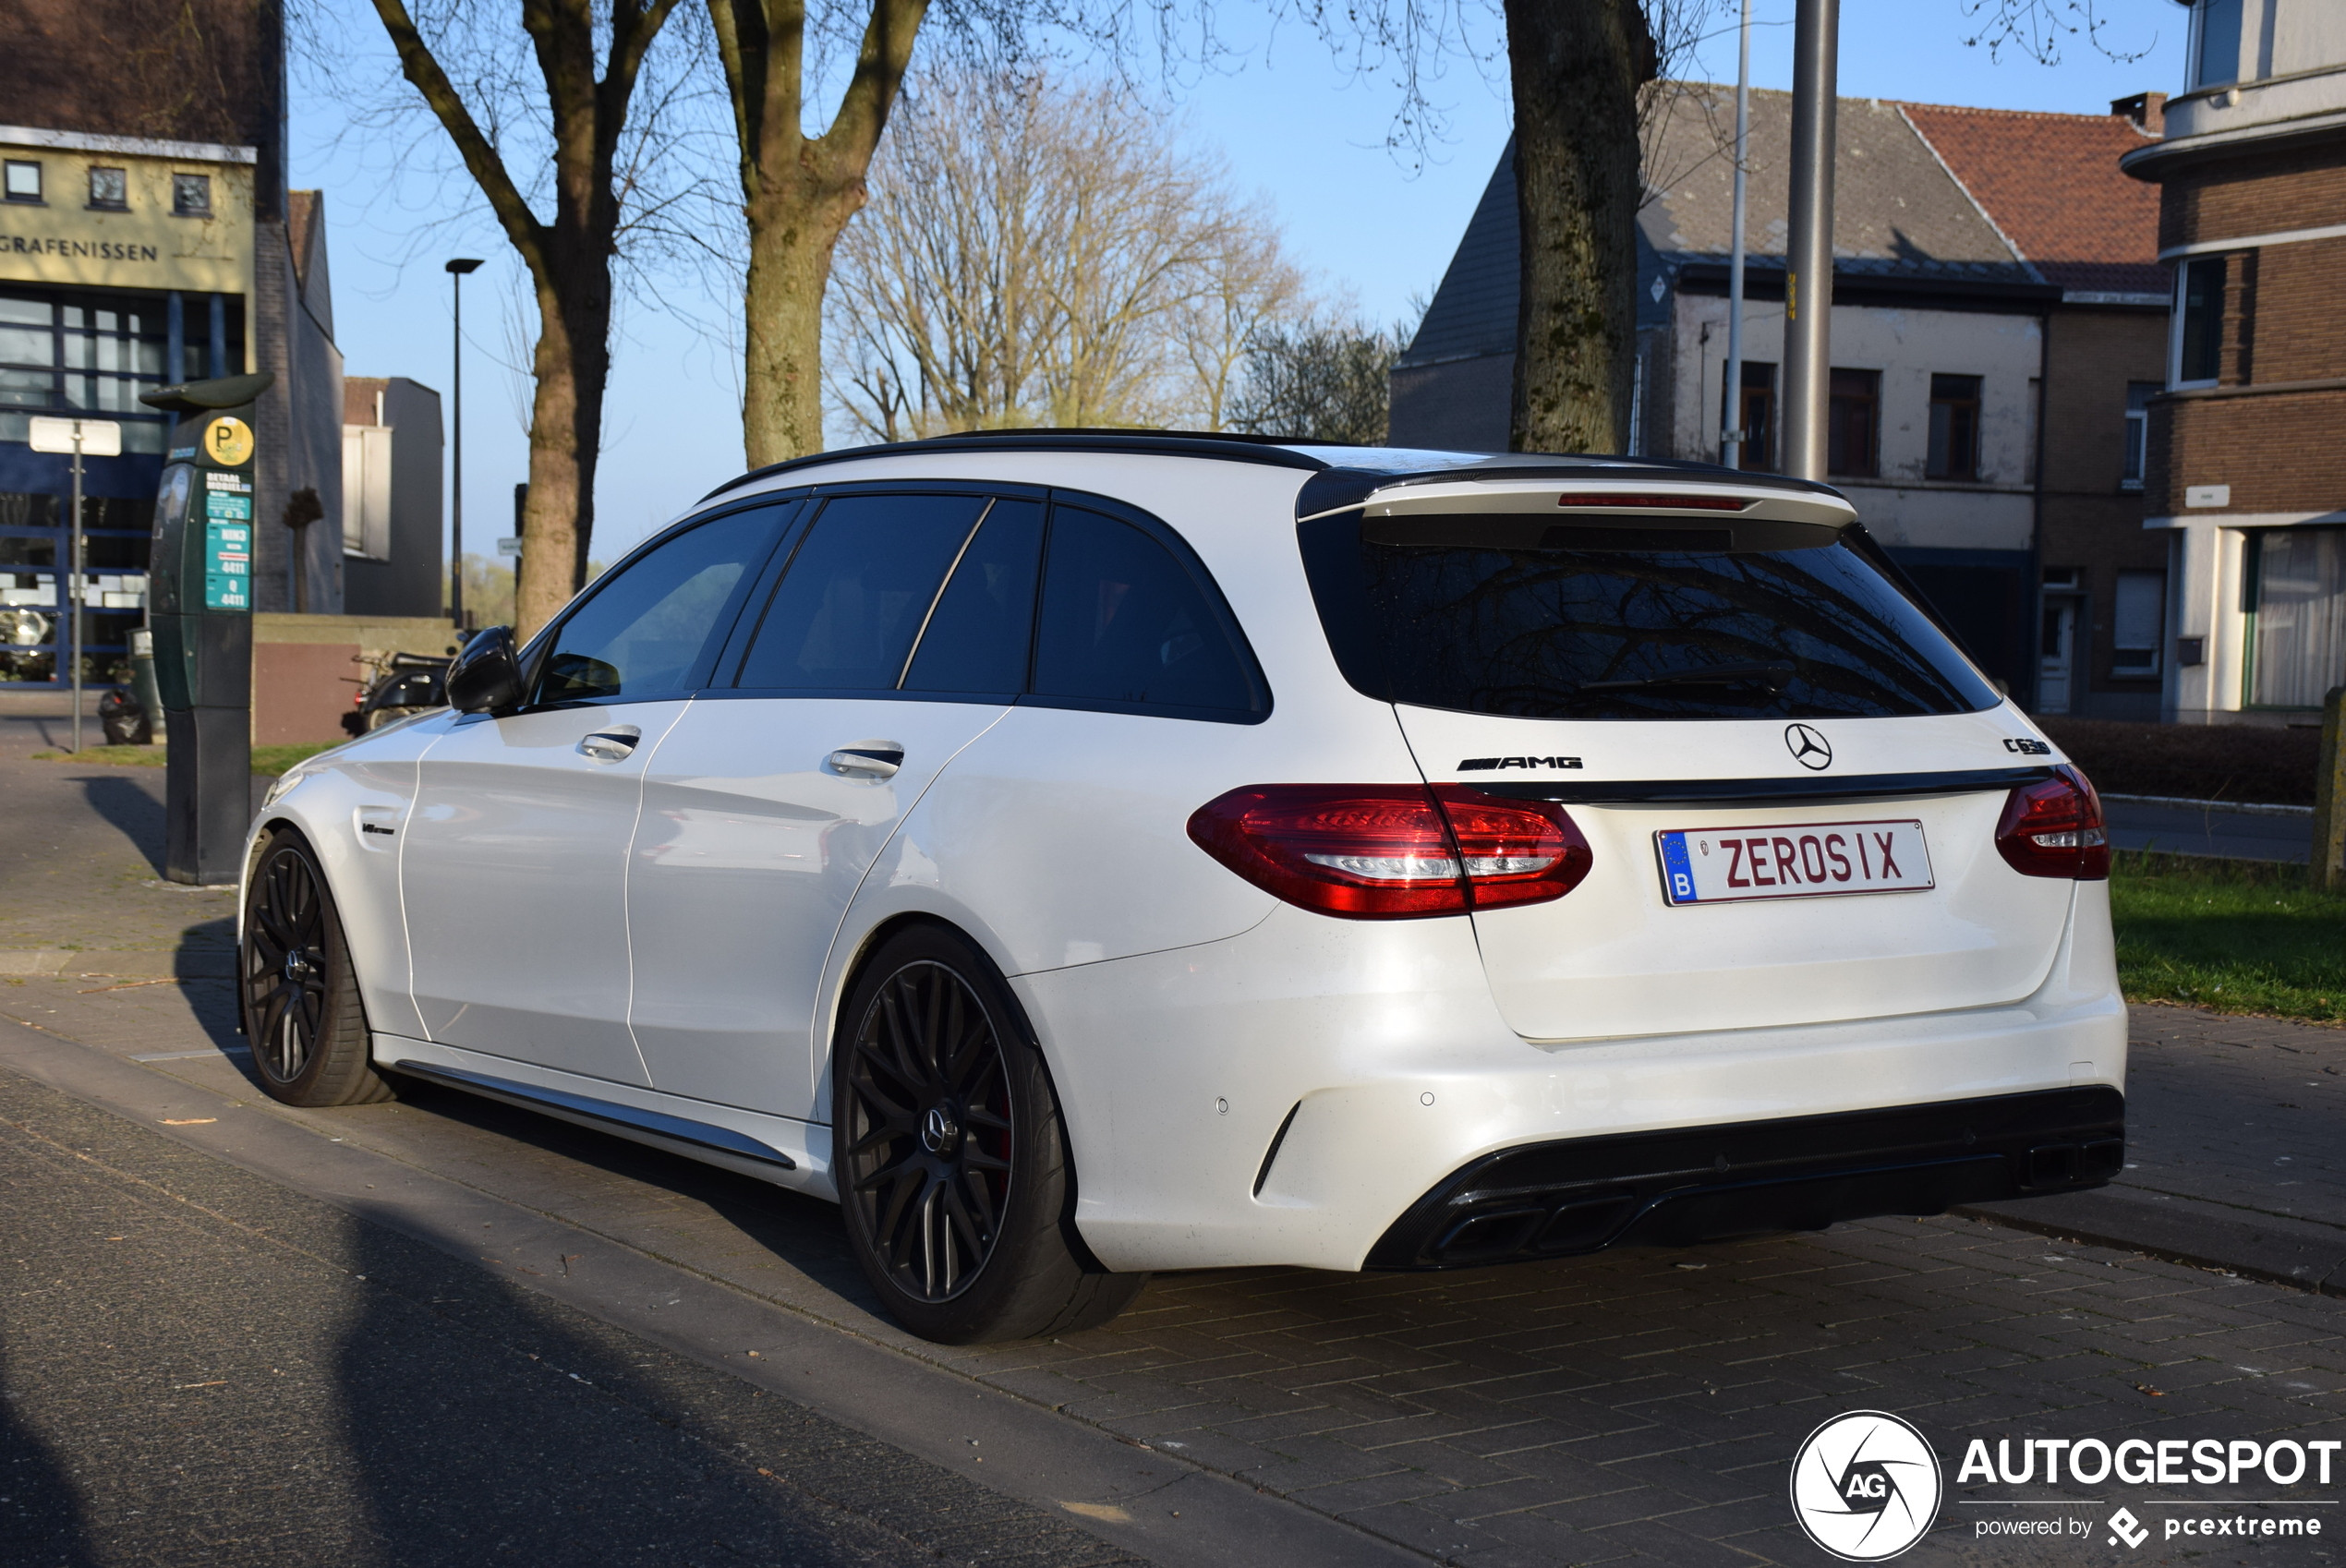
<point x="1997" y="310"/>
<point x="147" y="236"/>
<point x="2246" y="475"/>
<point x="2052" y="186"/>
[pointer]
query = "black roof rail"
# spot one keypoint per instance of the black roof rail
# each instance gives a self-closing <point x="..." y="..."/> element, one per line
<point x="1335" y="481"/>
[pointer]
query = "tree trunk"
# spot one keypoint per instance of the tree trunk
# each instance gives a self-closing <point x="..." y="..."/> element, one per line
<point x="797" y="195"/>
<point x="572" y="367"/>
<point x="791" y="230"/>
<point x="1576" y="67"/>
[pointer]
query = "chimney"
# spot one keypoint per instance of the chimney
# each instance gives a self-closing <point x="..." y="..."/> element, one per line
<point x="2146" y="109"/>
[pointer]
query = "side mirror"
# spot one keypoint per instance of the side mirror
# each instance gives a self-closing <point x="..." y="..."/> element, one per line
<point x="486" y="676"/>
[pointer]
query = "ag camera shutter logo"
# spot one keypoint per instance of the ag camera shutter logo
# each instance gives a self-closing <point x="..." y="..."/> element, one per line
<point x="1865" y="1486"/>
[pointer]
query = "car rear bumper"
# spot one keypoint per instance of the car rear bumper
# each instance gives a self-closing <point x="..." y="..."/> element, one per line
<point x="1288" y="1095"/>
<point x="1692" y="1184"/>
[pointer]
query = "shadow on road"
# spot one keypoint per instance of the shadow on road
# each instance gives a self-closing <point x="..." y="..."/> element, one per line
<point x="41" y="1520"/>
<point x="484" y="1423"/>
<point x="130" y="808"/>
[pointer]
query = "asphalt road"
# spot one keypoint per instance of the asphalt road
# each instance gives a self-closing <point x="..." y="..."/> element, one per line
<point x="2200" y="831"/>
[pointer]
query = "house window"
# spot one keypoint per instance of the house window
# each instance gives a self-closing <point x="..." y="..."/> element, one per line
<point x="110" y="189"/>
<point x="24" y="181"/>
<point x="1954" y="428"/>
<point x="1850" y="446"/>
<point x="191" y="196"/>
<point x="2296" y="615"/>
<point x="2138" y="396"/>
<point x="2199" y="321"/>
<point x="2138" y="623"/>
<point x="1755" y="416"/>
<point x="2214" y="42"/>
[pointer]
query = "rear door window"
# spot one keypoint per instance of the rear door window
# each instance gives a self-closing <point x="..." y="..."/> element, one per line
<point x="1126" y="624"/>
<point x="978" y="636"/>
<point x="1601" y="622"/>
<point x="857" y="592"/>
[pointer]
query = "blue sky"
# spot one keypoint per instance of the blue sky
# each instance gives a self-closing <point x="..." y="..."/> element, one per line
<point x="1372" y="224"/>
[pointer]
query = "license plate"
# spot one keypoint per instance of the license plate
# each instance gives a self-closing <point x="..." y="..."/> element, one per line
<point x="1808" y="860"/>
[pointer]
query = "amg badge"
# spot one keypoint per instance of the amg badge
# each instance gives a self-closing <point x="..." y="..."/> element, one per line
<point x="1491" y="765"/>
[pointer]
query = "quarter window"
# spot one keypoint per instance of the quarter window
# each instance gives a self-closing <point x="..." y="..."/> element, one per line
<point x="1123" y="621"/>
<point x="858" y="591"/>
<point x="1954" y="428"/>
<point x="647" y="626"/>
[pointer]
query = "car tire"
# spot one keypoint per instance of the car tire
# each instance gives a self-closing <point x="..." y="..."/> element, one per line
<point x="951" y="1157"/>
<point x="298" y="990"/>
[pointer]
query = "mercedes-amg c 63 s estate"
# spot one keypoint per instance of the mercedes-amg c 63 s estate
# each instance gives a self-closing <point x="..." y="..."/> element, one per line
<point x="1080" y="854"/>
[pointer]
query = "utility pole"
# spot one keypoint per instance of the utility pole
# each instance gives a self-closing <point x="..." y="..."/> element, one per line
<point x="1731" y="440"/>
<point x="456" y="270"/>
<point x="1808" y="298"/>
<point x="97" y="437"/>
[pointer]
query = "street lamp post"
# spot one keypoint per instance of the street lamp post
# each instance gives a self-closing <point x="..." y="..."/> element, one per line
<point x="456" y="270"/>
<point x="1734" y="434"/>
<point x="1808" y="299"/>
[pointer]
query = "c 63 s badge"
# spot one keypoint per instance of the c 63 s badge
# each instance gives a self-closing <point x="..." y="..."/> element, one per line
<point x="1865" y="1486"/>
<point x="1493" y="765"/>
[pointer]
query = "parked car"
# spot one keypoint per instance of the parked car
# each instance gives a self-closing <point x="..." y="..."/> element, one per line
<point x="401" y="684"/>
<point x="1083" y="855"/>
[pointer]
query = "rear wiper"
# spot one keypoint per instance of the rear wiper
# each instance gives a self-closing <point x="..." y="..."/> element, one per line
<point x="1775" y="677"/>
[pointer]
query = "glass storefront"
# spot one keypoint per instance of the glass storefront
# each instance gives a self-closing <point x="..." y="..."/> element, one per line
<point x="82" y="353"/>
<point x="2296" y="616"/>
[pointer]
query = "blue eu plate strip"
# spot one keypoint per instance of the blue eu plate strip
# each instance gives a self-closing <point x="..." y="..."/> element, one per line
<point x="1677" y="876"/>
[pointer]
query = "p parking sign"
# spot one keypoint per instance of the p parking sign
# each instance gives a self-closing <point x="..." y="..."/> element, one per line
<point x="227" y="440"/>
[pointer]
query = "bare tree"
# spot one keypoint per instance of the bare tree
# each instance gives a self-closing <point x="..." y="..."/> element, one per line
<point x="1042" y="254"/>
<point x="569" y="133"/>
<point x="1320" y="380"/>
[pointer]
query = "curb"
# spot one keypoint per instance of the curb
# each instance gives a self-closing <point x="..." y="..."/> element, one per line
<point x="2276" y="1249"/>
<point x="2236" y="808"/>
<point x="184" y="963"/>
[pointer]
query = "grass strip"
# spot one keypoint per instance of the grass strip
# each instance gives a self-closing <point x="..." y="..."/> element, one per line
<point x="267" y="761"/>
<point x="2240" y="936"/>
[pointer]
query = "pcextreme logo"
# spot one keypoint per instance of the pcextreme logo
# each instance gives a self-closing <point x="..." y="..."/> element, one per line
<point x="1865" y="1486"/>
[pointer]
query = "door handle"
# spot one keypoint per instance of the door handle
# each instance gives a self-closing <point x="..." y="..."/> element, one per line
<point x="611" y="745"/>
<point x="873" y="759"/>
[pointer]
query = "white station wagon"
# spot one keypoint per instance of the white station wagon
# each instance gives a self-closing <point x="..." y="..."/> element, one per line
<point x="1085" y="853"/>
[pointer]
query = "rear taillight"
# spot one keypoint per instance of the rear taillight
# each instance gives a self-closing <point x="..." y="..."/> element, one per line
<point x="1387" y="851"/>
<point x="2055" y="829"/>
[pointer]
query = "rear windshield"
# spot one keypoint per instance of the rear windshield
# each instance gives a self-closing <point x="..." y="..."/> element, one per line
<point x="1481" y="615"/>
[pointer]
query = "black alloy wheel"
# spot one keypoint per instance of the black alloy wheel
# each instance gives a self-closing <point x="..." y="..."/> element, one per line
<point x="302" y="1013"/>
<point x="953" y="1165"/>
<point x="929" y="1156"/>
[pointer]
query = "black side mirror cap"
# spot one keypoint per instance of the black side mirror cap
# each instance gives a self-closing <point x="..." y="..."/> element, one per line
<point x="486" y="676"/>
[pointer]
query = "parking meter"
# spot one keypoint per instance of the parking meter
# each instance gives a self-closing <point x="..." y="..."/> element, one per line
<point x="199" y="608"/>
